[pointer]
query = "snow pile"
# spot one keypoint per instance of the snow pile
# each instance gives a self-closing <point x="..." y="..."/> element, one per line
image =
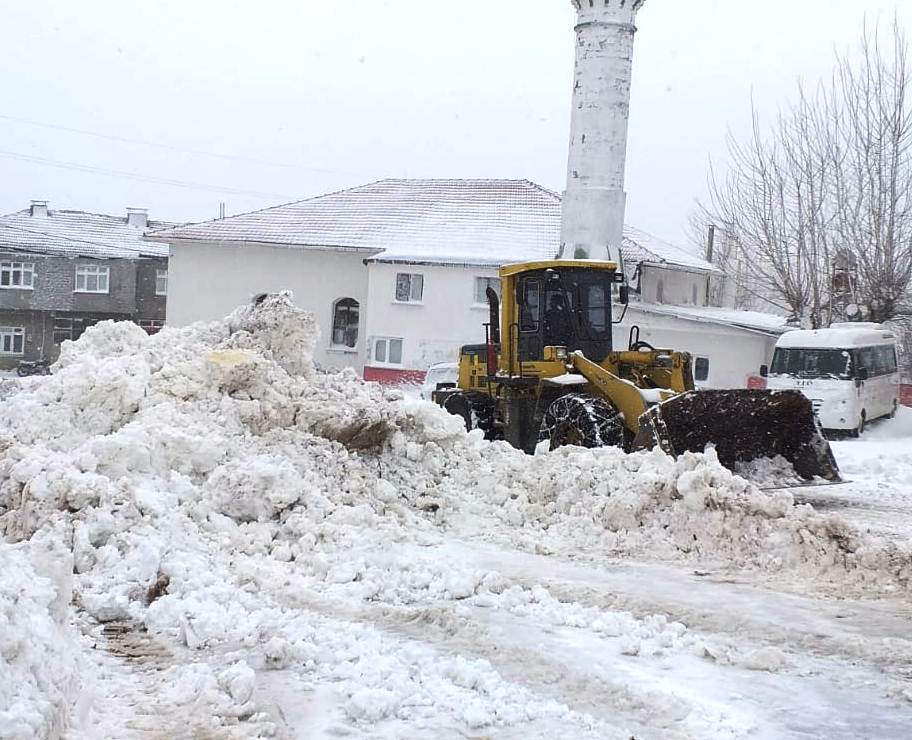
<point x="38" y="670"/>
<point x="213" y="488"/>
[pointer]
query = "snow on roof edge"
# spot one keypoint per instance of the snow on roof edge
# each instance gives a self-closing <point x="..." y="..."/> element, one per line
<point x="709" y="315"/>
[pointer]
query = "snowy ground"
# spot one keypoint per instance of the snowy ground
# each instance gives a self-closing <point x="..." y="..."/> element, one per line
<point x="208" y="541"/>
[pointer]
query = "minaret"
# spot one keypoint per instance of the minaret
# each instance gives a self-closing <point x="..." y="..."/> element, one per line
<point x="592" y="221"/>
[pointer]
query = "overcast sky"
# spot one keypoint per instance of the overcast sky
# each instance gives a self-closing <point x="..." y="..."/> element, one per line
<point x="302" y="97"/>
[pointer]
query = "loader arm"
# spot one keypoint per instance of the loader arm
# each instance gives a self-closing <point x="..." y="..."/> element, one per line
<point x="625" y="396"/>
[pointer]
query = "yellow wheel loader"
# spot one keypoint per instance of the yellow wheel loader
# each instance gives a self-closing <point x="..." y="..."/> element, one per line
<point x="548" y="372"/>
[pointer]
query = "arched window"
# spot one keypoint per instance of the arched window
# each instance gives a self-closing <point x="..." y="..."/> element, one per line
<point x="345" y="323"/>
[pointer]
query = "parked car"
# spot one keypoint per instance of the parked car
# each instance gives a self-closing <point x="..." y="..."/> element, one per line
<point x="442" y="372"/>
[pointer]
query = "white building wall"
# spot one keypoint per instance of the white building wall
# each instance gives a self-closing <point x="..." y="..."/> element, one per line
<point x="673" y="287"/>
<point x="733" y="353"/>
<point x="433" y="329"/>
<point x="208" y="281"/>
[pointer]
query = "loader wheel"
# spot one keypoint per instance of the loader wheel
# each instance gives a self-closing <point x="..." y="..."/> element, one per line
<point x="583" y="421"/>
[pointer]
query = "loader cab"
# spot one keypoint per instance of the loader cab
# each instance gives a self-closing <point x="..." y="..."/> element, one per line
<point x="564" y="304"/>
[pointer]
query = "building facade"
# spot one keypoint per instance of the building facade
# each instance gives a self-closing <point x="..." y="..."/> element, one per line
<point x="62" y="271"/>
<point x="396" y="273"/>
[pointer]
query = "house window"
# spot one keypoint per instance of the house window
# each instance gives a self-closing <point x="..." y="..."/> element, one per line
<point x="20" y="275"/>
<point x="387" y="351"/>
<point x="481" y="286"/>
<point x="92" y="279"/>
<point x="12" y="340"/>
<point x="152" y="326"/>
<point x="345" y="323"/>
<point x="409" y="287"/>
<point x="161" y="282"/>
<point x="69" y="327"/>
<point x="701" y="369"/>
<point x="660" y="292"/>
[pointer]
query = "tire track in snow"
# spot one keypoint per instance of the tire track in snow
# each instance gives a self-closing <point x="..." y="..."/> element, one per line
<point x="135" y="699"/>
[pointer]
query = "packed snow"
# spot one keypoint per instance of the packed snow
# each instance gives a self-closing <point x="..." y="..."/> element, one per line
<point x="205" y="536"/>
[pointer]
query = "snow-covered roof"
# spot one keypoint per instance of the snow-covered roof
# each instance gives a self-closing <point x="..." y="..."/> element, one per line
<point x="442" y="221"/>
<point x="77" y="233"/>
<point x="754" y="321"/>
<point x="838" y="336"/>
<point x="640" y="247"/>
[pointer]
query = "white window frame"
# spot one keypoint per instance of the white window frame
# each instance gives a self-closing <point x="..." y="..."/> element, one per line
<point x="415" y="287"/>
<point x="386" y="342"/>
<point x="9" y="270"/>
<point x="480" y="284"/>
<point x="93" y="271"/>
<point x="12" y="333"/>
<point x="161" y="275"/>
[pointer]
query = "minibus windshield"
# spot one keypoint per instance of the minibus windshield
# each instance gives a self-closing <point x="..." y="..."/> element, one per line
<point x="813" y="363"/>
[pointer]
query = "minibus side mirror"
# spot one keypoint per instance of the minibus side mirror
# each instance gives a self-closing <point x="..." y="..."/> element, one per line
<point x="764" y="371"/>
<point x="623" y="295"/>
<point x="861" y="376"/>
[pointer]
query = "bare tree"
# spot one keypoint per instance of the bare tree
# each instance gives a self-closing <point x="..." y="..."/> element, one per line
<point x="829" y="185"/>
<point x="872" y="149"/>
<point x="774" y="204"/>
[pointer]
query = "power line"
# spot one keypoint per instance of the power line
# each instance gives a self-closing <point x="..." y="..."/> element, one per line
<point x="75" y="166"/>
<point x="169" y="147"/>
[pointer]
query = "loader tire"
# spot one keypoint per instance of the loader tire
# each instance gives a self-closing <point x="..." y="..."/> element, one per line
<point x="584" y="421"/>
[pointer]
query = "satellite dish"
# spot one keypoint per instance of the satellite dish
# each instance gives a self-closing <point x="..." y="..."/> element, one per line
<point x="852" y="310"/>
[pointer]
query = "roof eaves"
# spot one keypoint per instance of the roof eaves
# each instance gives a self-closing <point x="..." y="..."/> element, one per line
<point x="267" y="243"/>
<point x="379" y="259"/>
<point x="680" y="266"/>
<point x="687" y="316"/>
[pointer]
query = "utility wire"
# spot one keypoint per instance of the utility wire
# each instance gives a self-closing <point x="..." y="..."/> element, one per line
<point x="141" y="178"/>
<point x="169" y="147"/>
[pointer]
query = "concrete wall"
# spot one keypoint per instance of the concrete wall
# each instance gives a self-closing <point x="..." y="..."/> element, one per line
<point x="733" y="354"/>
<point x="433" y="330"/>
<point x="208" y="281"/>
<point x="678" y="288"/>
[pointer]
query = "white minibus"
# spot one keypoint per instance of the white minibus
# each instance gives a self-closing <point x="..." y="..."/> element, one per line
<point x="849" y="372"/>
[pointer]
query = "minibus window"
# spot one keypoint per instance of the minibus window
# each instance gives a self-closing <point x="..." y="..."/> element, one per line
<point x="812" y="363"/>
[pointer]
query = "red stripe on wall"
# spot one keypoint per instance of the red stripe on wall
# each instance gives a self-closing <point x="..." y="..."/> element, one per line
<point x="905" y="395"/>
<point x="392" y="376"/>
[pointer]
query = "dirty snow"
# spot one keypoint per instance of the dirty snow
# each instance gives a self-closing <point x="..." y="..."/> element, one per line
<point x="206" y="536"/>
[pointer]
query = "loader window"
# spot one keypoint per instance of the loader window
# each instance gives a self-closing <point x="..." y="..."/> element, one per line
<point x="595" y="309"/>
<point x="530" y="306"/>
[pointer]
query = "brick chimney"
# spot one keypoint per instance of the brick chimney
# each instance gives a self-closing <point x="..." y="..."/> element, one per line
<point x="138" y="217"/>
<point x="38" y="209"/>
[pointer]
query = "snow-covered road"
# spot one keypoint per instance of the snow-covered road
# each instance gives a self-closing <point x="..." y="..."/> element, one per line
<point x="878" y="467"/>
<point x="205" y="539"/>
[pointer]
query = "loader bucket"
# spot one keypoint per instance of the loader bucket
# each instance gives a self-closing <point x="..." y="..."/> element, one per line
<point x="742" y="425"/>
